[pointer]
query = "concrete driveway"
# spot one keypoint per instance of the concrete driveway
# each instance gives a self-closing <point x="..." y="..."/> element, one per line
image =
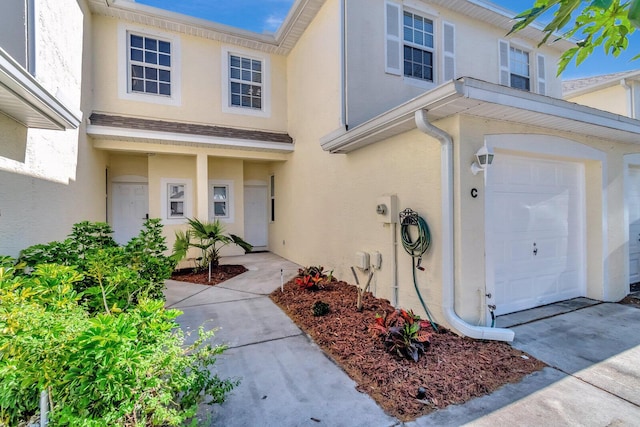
<point x="593" y="353"/>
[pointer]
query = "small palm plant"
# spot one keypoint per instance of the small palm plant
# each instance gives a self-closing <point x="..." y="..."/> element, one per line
<point x="209" y="237"/>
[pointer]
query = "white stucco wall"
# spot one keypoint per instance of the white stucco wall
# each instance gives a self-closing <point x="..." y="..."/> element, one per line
<point x="52" y="179"/>
<point x="371" y="91"/>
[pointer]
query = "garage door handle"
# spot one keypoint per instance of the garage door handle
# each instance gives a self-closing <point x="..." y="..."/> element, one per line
<point x="535" y="250"/>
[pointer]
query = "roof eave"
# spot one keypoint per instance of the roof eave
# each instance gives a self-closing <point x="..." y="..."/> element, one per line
<point x="473" y="97"/>
<point x="631" y="75"/>
<point x="25" y="100"/>
<point x="139" y="135"/>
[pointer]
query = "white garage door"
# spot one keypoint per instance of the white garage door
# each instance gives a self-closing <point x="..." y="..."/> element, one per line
<point x="535" y="241"/>
<point x="633" y="205"/>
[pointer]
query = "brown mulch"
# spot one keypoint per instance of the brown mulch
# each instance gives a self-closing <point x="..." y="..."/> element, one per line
<point x="218" y="274"/>
<point x="630" y="300"/>
<point x="453" y="370"/>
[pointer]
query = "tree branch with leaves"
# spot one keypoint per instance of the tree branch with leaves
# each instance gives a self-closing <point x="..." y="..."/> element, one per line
<point x="606" y="23"/>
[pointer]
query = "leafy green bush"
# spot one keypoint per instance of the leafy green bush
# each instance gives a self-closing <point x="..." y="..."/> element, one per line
<point x="123" y="274"/>
<point x="110" y="369"/>
<point x="320" y="308"/>
<point x="85" y="320"/>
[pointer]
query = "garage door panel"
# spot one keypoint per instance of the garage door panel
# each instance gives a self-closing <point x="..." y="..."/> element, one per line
<point x="535" y="236"/>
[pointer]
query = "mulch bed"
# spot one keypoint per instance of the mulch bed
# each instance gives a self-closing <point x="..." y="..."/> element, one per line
<point x="218" y="274"/>
<point x="453" y="370"/>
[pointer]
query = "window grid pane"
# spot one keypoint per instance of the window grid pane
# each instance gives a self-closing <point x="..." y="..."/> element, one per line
<point x="418" y="30"/>
<point x="153" y="57"/>
<point x="245" y="82"/>
<point x="418" y="47"/>
<point x="418" y="63"/>
<point x="220" y="201"/>
<point x="519" y="67"/>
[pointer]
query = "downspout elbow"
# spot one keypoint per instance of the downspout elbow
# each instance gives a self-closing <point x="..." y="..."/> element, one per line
<point x="448" y="285"/>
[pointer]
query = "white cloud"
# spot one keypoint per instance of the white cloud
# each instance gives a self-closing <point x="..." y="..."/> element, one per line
<point x="273" y="22"/>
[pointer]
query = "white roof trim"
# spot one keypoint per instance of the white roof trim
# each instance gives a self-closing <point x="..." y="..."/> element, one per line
<point x="163" y="137"/>
<point x="478" y="98"/>
<point x="300" y="15"/>
<point x="28" y="102"/>
<point x="298" y="19"/>
<point x="613" y="81"/>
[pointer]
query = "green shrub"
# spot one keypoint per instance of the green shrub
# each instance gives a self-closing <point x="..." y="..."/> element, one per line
<point x="124" y="369"/>
<point x="320" y="308"/>
<point x="123" y="274"/>
<point x="85" y="320"/>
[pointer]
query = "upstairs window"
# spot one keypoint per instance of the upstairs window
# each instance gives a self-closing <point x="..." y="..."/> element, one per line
<point x="410" y="45"/>
<point x="519" y="69"/>
<point x="418" y="46"/>
<point x="245" y="85"/>
<point x="149" y="65"/>
<point x="245" y="79"/>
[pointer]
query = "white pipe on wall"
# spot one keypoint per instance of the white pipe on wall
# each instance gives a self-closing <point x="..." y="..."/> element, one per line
<point x="448" y="283"/>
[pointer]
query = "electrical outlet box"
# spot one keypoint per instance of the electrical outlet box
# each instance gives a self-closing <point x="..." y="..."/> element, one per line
<point x="376" y="260"/>
<point x="362" y="261"/>
<point x="387" y="209"/>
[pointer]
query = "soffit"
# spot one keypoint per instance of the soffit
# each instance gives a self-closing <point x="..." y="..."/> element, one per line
<point x="499" y="17"/>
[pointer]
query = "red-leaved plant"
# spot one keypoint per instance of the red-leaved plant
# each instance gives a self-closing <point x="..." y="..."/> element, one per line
<point x="312" y="278"/>
<point x="403" y="333"/>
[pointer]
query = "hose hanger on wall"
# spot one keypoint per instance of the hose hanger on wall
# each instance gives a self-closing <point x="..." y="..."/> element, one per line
<point x="417" y="248"/>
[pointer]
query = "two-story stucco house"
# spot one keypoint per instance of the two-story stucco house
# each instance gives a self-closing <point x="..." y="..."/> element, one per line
<point x="293" y="140"/>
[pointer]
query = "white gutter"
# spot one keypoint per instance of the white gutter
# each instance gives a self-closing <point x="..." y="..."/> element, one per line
<point x="448" y="283"/>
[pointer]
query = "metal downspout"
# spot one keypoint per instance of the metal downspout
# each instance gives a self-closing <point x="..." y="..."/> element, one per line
<point x="448" y="285"/>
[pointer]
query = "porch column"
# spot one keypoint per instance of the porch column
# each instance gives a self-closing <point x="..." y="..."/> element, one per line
<point x="202" y="184"/>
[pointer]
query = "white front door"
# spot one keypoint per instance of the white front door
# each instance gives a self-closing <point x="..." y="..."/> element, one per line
<point x="633" y="205"/>
<point x="535" y="244"/>
<point x="130" y="207"/>
<point x="255" y="216"/>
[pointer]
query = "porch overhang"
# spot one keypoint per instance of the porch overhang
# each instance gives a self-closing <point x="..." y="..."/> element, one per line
<point x="472" y="97"/>
<point x="26" y="101"/>
<point x="134" y="134"/>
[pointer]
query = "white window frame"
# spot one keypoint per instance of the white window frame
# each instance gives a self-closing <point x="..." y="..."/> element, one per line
<point x="513" y="72"/>
<point x="228" y="184"/>
<point x="165" y="200"/>
<point x="227" y="107"/>
<point x="124" y="66"/>
<point x="432" y="50"/>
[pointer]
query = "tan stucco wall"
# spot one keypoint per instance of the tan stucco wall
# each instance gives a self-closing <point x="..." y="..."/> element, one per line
<point x="200" y="81"/>
<point x="613" y="99"/>
<point x="53" y="179"/>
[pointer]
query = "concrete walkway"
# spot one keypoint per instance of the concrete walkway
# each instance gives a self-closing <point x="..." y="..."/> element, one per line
<point x="593" y="378"/>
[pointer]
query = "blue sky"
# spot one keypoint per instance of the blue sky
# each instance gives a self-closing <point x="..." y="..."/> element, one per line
<point x="267" y="15"/>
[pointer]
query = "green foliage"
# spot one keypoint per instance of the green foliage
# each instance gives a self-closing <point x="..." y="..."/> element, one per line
<point x="114" y="277"/>
<point x="320" y="308"/>
<point x="124" y="369"/>
<point x="210" y="238"/>
<point x="312" y="277"/>
<point x="403" y="333"/>
<point x="606" y="23"/>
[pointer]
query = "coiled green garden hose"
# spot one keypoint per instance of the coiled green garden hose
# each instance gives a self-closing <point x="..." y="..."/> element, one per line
<point x="416" y="248"/>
